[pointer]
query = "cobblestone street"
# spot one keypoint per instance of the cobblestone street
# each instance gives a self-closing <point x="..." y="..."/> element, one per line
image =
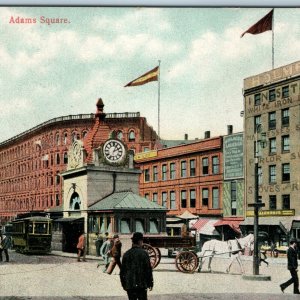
<point x="49" y="276"/>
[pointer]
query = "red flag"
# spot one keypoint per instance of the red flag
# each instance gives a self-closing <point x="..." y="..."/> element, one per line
<point x="145" y="78"/>
<point x="262" y="25"/>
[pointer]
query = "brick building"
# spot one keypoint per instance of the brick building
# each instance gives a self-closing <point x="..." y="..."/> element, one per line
<point x="184" y="177"/>
<point x="31" y="162"/>
<point x="272" y="135"/>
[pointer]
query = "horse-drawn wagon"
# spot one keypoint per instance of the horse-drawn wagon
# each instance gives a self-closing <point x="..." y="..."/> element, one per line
<point x="188" y="260"/>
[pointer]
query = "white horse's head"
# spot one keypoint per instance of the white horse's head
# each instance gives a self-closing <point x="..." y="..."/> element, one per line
<point x="247" y="241"/>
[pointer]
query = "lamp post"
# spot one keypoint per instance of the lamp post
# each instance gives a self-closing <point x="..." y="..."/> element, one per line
<point x="257" y="204"/>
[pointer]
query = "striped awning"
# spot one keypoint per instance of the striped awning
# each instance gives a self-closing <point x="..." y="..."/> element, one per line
<point x="205" y="226"/>
<point x="233" y="224"/>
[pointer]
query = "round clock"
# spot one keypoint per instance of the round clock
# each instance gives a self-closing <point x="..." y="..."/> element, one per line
<point x="114" y="151"/>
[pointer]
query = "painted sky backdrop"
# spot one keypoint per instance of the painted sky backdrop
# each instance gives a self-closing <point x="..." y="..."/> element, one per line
<point x="55" y="70"/>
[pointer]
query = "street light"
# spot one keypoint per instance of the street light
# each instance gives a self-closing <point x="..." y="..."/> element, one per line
<point x="257" y="204"/>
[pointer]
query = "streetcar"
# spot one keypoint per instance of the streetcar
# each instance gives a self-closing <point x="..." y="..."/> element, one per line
<point x="32" y="234"/>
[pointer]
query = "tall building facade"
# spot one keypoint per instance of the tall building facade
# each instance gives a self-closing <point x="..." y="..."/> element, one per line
<point x="31" y="162"/>
<point x="272" y="140"/>
<point x="184" y="177"/>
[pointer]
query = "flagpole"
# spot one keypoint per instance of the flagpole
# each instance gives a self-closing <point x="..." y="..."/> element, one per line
<point x="158" y="104"/>
<point x="273" y="39"/>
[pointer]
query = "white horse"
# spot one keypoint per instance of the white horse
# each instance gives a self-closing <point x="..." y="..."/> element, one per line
<point x="233" y="248"/>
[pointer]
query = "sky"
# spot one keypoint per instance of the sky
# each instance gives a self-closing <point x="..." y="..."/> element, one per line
<point x="48" y="71"/>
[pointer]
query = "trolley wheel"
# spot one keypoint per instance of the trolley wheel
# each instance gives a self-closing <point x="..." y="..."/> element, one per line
<point x="158" y="254"/>
<point x="186" y="261"/>
<point x="152" y="255"/>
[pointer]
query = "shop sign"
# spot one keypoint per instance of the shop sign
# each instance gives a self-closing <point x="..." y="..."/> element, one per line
<point x="272" y="213"/>
<point x="144" y="155"/>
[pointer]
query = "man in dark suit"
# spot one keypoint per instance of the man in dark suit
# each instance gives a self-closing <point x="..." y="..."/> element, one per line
<point x="136" y="272"/>
<point x="292" y="267"/>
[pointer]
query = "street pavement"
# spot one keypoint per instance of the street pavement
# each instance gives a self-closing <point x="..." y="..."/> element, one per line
<point x="60" y="276"/>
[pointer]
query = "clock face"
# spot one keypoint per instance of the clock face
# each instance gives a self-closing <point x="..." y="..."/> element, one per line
<point x="114" y="151"/>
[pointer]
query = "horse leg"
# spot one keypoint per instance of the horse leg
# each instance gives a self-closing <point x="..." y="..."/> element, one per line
<point x="200" y="264"/>
<point x="238" y="258"/>
<point x="230" y="263"/>
<point x="209" y="262"/>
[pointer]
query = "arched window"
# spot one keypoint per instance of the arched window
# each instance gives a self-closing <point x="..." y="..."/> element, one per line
<point x="57" y="139"/>
<point x="74" y="137"/>
<point x="120" y="135"/>
<point x="65" y="158"/>
<point x="65" y="138"/>
<point x="84" y="133"/>
<point x="75" y="202"/>
<point x="131" y="136"/>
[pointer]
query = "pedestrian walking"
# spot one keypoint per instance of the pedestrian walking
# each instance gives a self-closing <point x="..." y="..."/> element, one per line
<point x="105" y="252"/>
<point x="81" y="247"/>
<point x="98" y="243"/>
<point x="5" y="244"/>
<point x="115" y="253"/>
<point x="292" y="267"/>
<point x="136" y="272"/>
<point x="263" y="257"/>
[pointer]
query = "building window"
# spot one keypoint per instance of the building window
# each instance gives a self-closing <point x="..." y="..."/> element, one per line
<point x="164" y="197"/>
<point x="172" y="200"/>
<point x="285" y="143"/>
<point x="154" y="226"/>
<point x="215" y="197"/>
<point x="154" y="197"/>
<point x="259" y="170"/>
<point x="257" y="148"/>
<point x="139" y="225"/>
<point x="146" y="149"/>
<point x="147" y="175"/>
<point x="131" y="136"/>
<point x="272" y="202"/>
<point x="192" y="198"/>
<point x="147" y="196"/>
<point x="57" y="139"/>
<point x="285" y="91"/>
<point x="183" y="169"/>
<point x="172" y="171"/>
<point x="233" y="198"/>
<point x="120" y="135"/>
<point x="204" y="197"/>
<point x="272" y="120"/>
<point x="125" y="225"/>
<point x="74" y="137"/>
<point x="215" y="165"/>
<point x="286" y="202"/>
<point x="272" y="95"/>
<point x="57" y="200"/>
<point x="65" y="158"/>
<point x="183" y="199"/>
<point x="155" y="174"/>
<point x="272" y="145"/>
<point x="205" y="166"/>
<point x="257" y="123"/>
<point x="285" y="117"/>
<point x="272" y="174"/>
<point x="192" y="167"/>
<point x="164" y="172"/>
<point x="257" y="99"/>
<point x="285" y="172"/>
<point x="65" y="139"/>
<point x="57" y="179"/>
<point x="57" y="159"/>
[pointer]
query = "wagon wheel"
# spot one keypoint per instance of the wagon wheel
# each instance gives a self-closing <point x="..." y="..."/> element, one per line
<point x="152" y="255"/>
<point x="158" y="254"/>
<point x="186" y="262"/>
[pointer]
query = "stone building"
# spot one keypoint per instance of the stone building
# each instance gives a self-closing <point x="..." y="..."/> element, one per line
<point x="31" y="163"/>
<point x="272" y="140"/>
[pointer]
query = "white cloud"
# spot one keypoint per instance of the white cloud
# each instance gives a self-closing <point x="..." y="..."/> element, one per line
<point x="15" y="106"/>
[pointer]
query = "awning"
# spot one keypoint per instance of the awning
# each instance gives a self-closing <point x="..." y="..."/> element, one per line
<point x="205" y="226"/>
<point x="233" y="224"/>
<point x="186" y="215"/>
<point x="285" y="223"/>
<point x="174" y="225"/>
<point x="69" y="220"/>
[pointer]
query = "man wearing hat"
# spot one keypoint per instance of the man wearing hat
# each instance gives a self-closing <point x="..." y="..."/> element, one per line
<point x="136" y="271"/>
<point x="115" y="254"/>
<point x="292" y="267"/>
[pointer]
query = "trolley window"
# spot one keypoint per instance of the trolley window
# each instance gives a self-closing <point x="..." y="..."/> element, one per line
<point x="40" y="228"/>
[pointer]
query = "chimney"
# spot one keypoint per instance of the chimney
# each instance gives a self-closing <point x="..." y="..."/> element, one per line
<point x="229" y="129"/>
<point x="186" y="137"/>
<point x="207" y="134"/>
